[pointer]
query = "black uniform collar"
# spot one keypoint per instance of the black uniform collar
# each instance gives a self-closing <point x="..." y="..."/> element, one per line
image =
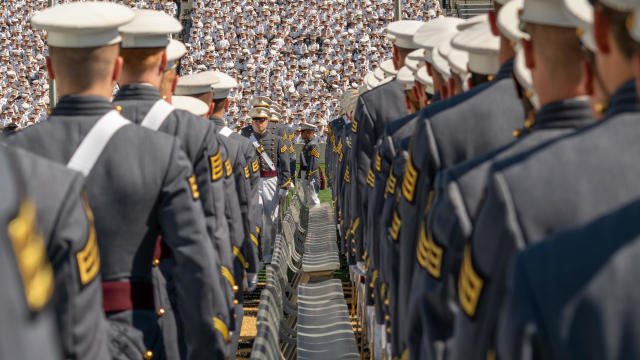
<point x="138" y="91"/>
<point x="571" y="113"/>
<point x="87" y="105"/>
<point x="218" y="121"/>
<point x="505" y="70"/>
<point x="624" y="99"/>
<point x="436" y="97"/>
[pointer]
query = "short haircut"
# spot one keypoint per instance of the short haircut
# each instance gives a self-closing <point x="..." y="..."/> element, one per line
<point x="218" y="105"/>
<point x="618" y="24"/>
<point x="137" y="61"/>
<point x="403" y="52"/>
<point x="559" y="49"/>
<point x="83" y="68"/>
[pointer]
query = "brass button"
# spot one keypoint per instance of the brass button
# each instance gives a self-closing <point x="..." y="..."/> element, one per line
<point x="155" y="262"/>
<point x="517" y="133"/>
<point x="235" y="302"/>
<point x="388" y="330"/>
<point x="386" y="302"/>
<point x="235" y="316"/>
<point x="235" y="288"/>
<point x="118" y="108"/>
<point x="529" y="124"/>
<point x="160" y="312"/>
<point x="148" y="355"/>
<point x="387" y="318"/>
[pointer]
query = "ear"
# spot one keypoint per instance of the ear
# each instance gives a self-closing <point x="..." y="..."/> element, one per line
<point x="163" y="63"/>
<point x="429" y="68"/>
<point x="174" y="84"/>
<point x="601" y="31"/>
<point x="396" y="58"/>
<point x="50" y="69"/>
<point x="226" y="104"/>
<point x="210" y="110"/>
<point x="444" y="91"/>
<point x="529" y="59"/>
<point x="493" y="23"/>
<point x="117" y="69"/>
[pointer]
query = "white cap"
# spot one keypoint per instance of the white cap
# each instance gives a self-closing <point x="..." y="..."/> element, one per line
<point x="175" y="50"/>
<point x="370" y="80"/>
<point x="423" y="77"/>
<point x="198" y="83"/>
<point x="523" y="76"/>
<point x="509" y="21"/>
<point x="472" y="21"/>
<point x="414" y="65"/>
<point x="260" y="112"/>
<point x="191" y="104"/>
<point x="222" y="88"/>
<point x="431" y="33"/>
<point x="581" y="14"/>
<point x="388" y="68"/>
<point x="458" y="59"/>
<point x="307" y="126"/>
<point x="378" y="73"/>
<point x="482" y="46"/>
<point x="502" y="2"/>
<point x="405" y="78"/>
<point x="149" y="29"/>
<point x="440" y="64"/>
<point x="260" y="101"/>
<point x="82" y="25"/>
<point x="545" y="12"/>
<point x="417" y="55"/>
<point x="402" y="33"/>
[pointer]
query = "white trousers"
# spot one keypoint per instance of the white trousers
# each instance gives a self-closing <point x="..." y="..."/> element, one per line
<point x="268" y="202"/>
<point x="310" y="193"/>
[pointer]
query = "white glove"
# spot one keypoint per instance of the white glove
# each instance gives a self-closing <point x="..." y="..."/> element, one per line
<point x="252" y="280"/>
<point x="283" y="193"/>
<point x="290" y="186"/>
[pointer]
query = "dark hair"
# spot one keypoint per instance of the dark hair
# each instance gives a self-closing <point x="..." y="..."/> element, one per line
<point x="218" y="105"/>
<point x="618" y="24"/>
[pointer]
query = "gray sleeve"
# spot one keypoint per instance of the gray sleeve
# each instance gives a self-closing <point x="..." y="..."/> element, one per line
<point x="76" y="261"/>
<point x="198" y="283"/>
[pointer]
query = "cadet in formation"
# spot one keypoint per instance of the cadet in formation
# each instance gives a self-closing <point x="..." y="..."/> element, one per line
<point x="310" y="173"/>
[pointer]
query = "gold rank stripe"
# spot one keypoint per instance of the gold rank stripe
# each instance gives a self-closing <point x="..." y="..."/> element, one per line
<point x="254" y="239"/>
<point x="390" y="189"/>
<point x="396" y="223"/>
<point x="354" y="126"/>
<point x="286" y="183"/>
<point x="374" y="277"/>
<point x="469" y="284"/>
<point x="255" y="166"/>
<point x="346" y="175"/>
<point x="283" y="148"/>
<point x="89" y="257"/>
<point x="314" y="152"/>
<point x="371" y="179"/>
<point x="240" y="257"/>
<point x="313" y="172"/>
<point x="194" y="187"/>
<point x="228" y="168"/>
<point x="222" y="328"/>
<point x="291" y="149"/>
<point x="410" y="180"/>
<point x="227" y="274"/>
<point x="246" y="172"/>
<point x="378" y="163"/>
<point x="429" y="254"/>
<point x="216" y="167"/>
<point x="356" y="223"/>
<point x="31" y="257"/>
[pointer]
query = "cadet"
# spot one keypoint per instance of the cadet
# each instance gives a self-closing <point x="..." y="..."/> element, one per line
<point x="28" y="328"/>
<point x="65" y="226"/>
<point x="272" y="152"/>
<point x="247" y="256"/>
<point x="560" y="84"/>
<point x="564" y="185"/>
<point x="374" y="110"/>
<point x="310" y="165"/>
<point x="439" y="143"/>
<point x="139" y="183"/>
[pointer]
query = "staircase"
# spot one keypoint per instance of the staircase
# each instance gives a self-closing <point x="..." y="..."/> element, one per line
<point x="467" y="8"/>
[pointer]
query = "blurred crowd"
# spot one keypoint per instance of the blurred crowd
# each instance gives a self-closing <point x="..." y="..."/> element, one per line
<point x="301" y="54"/>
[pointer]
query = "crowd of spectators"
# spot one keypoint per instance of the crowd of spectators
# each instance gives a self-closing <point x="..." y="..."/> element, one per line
<point x="302" y="54"/>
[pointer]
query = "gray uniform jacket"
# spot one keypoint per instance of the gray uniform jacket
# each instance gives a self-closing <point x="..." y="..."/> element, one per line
<point x="572" y="295"/>
<point x="566" y="184"/>
<point x="374" y="110"/>
<point x="450" y="132"/>
<point x="72" y="249"/>
<point x="28" y="326"/>
<point x="275" y="146"/>
<point x="55" y="228"/>
<point x="310" y="160"/>
<point x="141" y="186"/>
<point x="459" y="191"/>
